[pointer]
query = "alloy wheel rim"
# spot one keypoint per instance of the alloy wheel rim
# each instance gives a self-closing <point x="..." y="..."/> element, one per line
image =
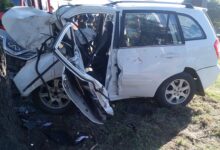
<point x="177" y="91"/>
<point x="56" y="97"/>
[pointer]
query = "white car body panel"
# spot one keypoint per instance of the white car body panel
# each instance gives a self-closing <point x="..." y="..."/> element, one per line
<point x="32" y="26"/>
<point x="143" y="69"/>
<point x="201" y="53"/>
<point x="212" y="72"/>
<point x="28" y="73"/>
<point x="78" y="100"/>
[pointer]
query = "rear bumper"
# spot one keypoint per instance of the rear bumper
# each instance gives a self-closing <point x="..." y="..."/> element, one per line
<point x="208" y="75"/>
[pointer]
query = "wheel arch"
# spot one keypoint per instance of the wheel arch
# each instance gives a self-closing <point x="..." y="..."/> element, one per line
<point x="199" y="88"/>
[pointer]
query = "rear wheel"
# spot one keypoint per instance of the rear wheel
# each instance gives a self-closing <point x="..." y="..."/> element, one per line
<point x="53" y="101"/>
<point x="177" y="90"/>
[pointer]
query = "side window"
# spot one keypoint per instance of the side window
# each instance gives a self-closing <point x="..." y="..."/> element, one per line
<point x="93" y="27"/>
<point x="149" y="28"/>
<point x="173" y="30"/>
<point x="191" y="29"/>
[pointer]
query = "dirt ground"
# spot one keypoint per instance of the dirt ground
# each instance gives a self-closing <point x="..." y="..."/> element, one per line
<point x="138" y="124"/>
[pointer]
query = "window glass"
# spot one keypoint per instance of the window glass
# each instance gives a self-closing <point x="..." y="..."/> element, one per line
<point x="143" y="29"/>
<point x="173" y="31"/>
<point x="191" y="30"/>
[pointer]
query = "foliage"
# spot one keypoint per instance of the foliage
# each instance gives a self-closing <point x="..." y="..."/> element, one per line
<point x="4" y="4"/>
<point x="214" y="11"/>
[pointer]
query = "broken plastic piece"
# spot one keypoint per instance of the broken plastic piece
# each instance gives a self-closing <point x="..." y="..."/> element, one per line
<point x="46" y="125"/>
<point x="81" y="137"/>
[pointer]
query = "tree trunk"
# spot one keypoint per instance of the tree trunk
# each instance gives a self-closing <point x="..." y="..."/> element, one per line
<point x="10" y="132"/>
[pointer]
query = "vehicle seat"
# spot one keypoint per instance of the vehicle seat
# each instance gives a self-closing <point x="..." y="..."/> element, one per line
<point x="100" y="60"/>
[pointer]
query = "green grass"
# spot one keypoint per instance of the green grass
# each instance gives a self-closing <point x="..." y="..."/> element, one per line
<point x="214" y="90"/>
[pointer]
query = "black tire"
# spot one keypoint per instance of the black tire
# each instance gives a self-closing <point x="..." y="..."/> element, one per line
<point x="175" y="92"/>
<point x="53" y="108"/>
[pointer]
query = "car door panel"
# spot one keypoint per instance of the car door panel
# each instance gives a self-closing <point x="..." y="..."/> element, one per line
<point x="76" y="67"/>
<point x="151" y="51"/>
<point x="144" y="69"/>
<point x="78" y="100"/>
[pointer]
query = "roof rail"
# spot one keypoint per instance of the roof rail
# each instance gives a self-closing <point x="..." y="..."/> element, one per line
<point x="187" y="5"/>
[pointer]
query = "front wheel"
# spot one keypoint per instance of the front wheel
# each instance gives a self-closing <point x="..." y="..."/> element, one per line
<point x="55" y="100"/>
<point x="177" y="90"/>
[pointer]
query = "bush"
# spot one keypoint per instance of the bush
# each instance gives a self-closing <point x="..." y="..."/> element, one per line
<point x="5" y="4"/>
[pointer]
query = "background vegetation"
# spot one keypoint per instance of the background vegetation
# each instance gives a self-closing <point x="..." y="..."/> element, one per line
<point x="4" y="4"/>
<point x="214" y="13"/>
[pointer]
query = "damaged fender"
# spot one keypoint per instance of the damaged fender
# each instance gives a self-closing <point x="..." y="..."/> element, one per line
<point x="28" y="26"/>
<point x="27" y="80"/>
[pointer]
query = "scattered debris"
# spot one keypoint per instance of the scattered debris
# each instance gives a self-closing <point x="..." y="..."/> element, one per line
<point x="25" y="109"/>
<point x="59" y="136"/>
<point x="46" y="125"/>
<point x="31" y="123"/>
<point x="93" y="147"/>
<point x="81" y="137"/>
<point x="132" y="126"/>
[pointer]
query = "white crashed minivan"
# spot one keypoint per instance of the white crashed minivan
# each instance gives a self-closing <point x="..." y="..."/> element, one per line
<point x="140" y="49"/>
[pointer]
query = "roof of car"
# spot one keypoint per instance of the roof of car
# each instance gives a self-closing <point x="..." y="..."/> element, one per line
<point x="147" y="5"/>
<point x="141" y="5"/>
<point x="128" y="3"/>
<point x="154" y="6"/>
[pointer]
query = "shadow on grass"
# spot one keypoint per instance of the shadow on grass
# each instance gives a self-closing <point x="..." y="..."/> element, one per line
<point x="137" y="124"/>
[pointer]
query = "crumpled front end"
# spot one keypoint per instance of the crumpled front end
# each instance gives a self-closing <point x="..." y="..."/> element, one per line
<point x="29" y="27"/>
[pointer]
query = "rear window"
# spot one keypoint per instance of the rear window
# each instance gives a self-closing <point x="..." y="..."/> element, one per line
<point x="191" y="29"/>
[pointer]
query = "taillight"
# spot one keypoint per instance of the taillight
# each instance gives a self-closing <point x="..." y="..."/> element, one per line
<point x="217" y="47"/>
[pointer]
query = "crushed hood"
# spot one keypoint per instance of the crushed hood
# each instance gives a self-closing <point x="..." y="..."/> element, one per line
<point x="29" y="27"/>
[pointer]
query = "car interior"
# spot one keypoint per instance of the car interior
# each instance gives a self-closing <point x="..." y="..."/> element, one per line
<point x="95" y="52"/>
